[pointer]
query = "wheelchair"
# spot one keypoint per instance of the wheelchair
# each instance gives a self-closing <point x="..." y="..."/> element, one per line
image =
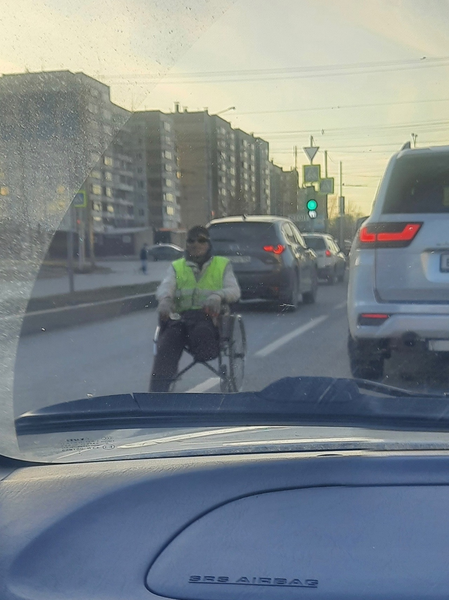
<point x="231" y="356"/>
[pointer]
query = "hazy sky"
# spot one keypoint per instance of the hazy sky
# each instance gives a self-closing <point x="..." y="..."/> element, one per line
<point x="360" y="76"/>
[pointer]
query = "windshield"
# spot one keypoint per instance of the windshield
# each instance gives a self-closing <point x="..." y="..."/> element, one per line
<point x="164" y="168"/>
<point x="315" y="243"/>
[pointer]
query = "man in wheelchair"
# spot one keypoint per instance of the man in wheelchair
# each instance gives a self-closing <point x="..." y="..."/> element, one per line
<point x="190" y="299"/>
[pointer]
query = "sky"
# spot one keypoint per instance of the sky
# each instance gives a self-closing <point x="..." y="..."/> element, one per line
<point x="360" y="77"/>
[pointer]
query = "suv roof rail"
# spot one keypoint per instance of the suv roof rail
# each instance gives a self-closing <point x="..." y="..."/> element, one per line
<point x="406" y="146"/>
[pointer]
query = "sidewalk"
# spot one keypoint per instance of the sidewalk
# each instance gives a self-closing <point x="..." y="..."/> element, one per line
<point x="121" y="273"/>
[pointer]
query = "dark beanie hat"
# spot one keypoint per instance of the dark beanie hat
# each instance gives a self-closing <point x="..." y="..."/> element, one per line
<point x="198" y="230"/>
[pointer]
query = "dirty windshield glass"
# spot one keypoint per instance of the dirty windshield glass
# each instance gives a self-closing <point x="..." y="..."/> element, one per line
<point x="164" y="168"/>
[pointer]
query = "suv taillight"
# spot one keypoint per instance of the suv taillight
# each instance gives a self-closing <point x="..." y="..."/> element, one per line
<point x="279" y="249"/>
<point x="328" y="253"/>
<point x="387" y="235"/>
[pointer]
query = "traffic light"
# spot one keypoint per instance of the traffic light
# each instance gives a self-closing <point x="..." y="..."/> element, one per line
<point x="312" y="205"/>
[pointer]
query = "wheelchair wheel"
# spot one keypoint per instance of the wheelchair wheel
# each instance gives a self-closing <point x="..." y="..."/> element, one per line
<point x="232" y="364"/>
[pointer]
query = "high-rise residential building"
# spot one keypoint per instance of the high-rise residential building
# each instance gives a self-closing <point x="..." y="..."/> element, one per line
<point x="207" y="163"/>
<point x="263" y="194"/>
<point x="275" y="189"/>
<point x="157" y="192"/>
<point x="54" y="128"/>
<point x="289" y="192"/>
<point x="246" y="196"/>
<point x="284" y="190"/>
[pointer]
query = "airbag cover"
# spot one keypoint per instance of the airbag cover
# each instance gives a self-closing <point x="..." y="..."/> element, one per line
<point x="335" y="542"/>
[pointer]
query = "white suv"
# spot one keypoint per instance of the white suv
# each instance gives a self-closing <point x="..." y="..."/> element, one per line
<point x="399" y="263"/>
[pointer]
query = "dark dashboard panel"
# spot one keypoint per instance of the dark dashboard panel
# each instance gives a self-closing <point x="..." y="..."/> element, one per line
<point x="294" y="525"/>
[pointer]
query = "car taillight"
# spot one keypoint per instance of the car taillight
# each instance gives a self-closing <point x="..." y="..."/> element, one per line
<point x="328" y="253"/>
<point x="388" y="235"/>
<point x="279" y="249"/>
<point x="372" y="319"/>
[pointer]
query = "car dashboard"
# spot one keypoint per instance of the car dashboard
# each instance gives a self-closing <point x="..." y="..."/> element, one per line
<point x="309" y="525"/>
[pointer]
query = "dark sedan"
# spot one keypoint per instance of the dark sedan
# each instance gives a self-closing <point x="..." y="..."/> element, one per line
<point x="165" y="252"/>
<point x="270" y="258"/>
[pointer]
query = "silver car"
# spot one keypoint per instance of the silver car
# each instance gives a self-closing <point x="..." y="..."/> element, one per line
<point x="399" y="263"/>
<point x="330" y="259"/>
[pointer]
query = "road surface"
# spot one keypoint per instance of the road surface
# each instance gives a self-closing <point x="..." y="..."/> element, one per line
<point x="115" y="356"/>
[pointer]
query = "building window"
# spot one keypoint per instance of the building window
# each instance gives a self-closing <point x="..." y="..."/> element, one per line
<point x="167" y="126"/>
<point x="170" y="210"/>
<point x="169" y="168"/>
<point x="168" y="154"/>
<point x="169" y="197"/>
<point x="139" y="170"/>
<point x="108" y="192"/>
<point x="96" y="206"/>
<point x="95" y="189"/>
<point x="140" y="185"/>
<point x="141" y="212"/>
<point x="107" y="160"/>
<point x="96" y="175"/>
<point x="168" y="182"/>
<point x="107" y="130"/>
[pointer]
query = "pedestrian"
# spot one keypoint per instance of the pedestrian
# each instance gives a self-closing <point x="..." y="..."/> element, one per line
<point x="144" y="259"/>
<point x="190" y="299"/>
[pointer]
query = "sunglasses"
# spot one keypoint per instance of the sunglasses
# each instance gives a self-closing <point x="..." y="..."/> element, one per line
<point x="200" y="240"/>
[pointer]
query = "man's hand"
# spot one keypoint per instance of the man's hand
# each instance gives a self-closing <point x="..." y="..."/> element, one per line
<point x="165" y="308"/>
<point x="212" y="305"/>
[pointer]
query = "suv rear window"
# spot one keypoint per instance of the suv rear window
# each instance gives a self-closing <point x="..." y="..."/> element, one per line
<point x="419" y="185"/>
<point x="250" y="233"/>
<point x="316" y="243"/>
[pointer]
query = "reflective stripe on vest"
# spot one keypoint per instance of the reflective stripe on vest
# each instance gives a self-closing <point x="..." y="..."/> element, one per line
<point x="191" y="294"/>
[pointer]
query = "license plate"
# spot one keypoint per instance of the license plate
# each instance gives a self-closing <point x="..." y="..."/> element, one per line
<point x="444" y="263"/>
<point x="240" y="259"/>
<point x="439" y="345"/>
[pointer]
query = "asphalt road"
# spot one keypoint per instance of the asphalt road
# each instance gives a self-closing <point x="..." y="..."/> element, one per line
<point x="115" y="356"/>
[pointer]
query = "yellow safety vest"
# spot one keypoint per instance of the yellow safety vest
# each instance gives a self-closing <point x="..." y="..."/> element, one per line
<point x="191" y="294"/>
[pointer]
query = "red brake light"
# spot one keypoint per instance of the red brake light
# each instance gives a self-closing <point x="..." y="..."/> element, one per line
<point x="407" y="234"/>
<point x="279" y="249"/>
<point x="372" y="319"/>
<point x="388" y="235"/>
<point x="366" y="237"/>
<point x="328" y="253"/>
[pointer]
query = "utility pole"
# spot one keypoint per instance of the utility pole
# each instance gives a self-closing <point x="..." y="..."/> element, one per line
<point x="326" y="211"/>
<point x="341" y="207"/>
<point x="70" y="249"/>
<point x="414" y="136"/>
<point x="296" y="158"/>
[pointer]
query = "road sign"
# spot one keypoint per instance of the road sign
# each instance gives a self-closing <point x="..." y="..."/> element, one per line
<point x="311" y="173"/>
<point x="80" y="199"/>
<point x="312" y="214"/>
<point x="311" y="151"/>
<point x="327" y="185"/>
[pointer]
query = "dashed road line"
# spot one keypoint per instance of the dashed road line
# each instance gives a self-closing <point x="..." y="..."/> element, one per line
<point x="290" y="336"/>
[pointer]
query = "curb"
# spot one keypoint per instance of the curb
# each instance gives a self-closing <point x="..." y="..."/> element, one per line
<point x="71" y="316"/>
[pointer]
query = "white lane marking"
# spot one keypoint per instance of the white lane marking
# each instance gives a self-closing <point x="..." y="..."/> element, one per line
<point x="206" y="385"/>
<point x="289" y="336"/>
<point x="341" y="305"/>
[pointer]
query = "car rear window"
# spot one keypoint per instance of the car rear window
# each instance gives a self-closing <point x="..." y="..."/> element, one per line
<point x="249" y="233"/>
<point x="419" y="186"/>
<point x="315" y="243"/>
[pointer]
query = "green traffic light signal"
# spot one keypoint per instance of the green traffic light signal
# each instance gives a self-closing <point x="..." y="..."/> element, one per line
<point x="312" y="204"/>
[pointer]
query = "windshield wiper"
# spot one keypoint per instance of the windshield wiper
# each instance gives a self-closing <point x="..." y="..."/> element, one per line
<point x="311" y="401"/>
